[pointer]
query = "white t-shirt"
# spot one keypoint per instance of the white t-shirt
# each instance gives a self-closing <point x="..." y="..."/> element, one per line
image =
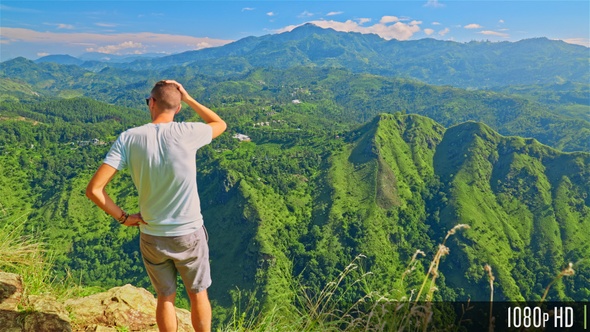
<point x="161" y="158"/>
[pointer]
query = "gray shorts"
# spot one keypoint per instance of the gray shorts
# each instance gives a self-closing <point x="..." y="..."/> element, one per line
<point x="188" y="255"/>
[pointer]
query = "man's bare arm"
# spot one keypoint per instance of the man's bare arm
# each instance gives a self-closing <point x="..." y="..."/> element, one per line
<point x="97" y="193"/>
<point x="210" y="117"/>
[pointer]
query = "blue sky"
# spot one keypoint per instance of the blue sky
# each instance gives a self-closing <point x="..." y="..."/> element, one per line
<point x="37" y="28"/>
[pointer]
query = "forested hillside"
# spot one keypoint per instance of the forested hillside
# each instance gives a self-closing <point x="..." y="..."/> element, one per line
<point x="340" y="163"/>
<point x="338" y="98"/>
<point x="384" y="190"/>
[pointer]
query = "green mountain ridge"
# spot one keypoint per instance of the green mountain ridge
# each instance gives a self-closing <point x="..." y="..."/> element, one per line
<point x="337" y="97"/>
<point x="279" y="212"/>
<point x="474" y="64"/>
<point x="399" y="185"/>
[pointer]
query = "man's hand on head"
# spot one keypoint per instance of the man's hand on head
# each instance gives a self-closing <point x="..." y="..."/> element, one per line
<point x="184" y="95"/>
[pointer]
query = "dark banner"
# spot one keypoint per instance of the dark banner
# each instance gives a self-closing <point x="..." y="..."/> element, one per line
<point x="483" y="316"/>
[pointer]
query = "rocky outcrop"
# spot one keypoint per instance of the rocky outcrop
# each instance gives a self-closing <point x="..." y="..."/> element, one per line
<point x="32" y="313"/>
<point x="126" y="307"/>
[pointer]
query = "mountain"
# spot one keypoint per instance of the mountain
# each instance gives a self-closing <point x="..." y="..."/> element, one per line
<point x="337" y="97"/>
<point x="399" y="185"/>
<point x="104" y="57"/>
<point x="62" y="59"/>
<point x="568" y="98"/>
<point x="470" y="65"/>
<point x="302" y="204"/>
<point x="466" y="65"/>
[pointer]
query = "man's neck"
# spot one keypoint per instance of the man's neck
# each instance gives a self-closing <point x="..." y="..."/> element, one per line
<point x="163" y="118"/>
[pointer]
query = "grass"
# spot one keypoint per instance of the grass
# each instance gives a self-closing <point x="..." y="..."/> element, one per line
<point x="325" y="311"/>
<point x="31" y="258"/>
<point x="23" y="255"/>
<point x="371" y="312"/>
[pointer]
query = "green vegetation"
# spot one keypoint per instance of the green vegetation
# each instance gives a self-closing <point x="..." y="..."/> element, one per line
<point x="337" y="99"/>
<point x="567" y="98"/>
<point x="304" y="203"/>
<point x="341" y="164"/>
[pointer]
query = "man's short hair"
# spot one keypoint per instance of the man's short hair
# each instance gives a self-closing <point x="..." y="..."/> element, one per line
<point x="166" y="95"/>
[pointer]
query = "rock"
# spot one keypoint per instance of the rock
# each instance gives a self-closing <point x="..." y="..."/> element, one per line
<point x="45" y="314"/>
<point x="11" y="290"/>
<point x="31" y="314"/>
<point x="128" y="306"/>
<point x="122" y="308"/>
<point x="98" y="328"/>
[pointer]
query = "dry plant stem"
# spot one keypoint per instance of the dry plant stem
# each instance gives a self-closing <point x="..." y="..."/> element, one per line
<point x="491" y="278"/>
<point x="411" y="265"/>
<point x="433" y="264"/>
<point x="568" y="271"/>
<point x="319" y="307"/>
<point x="442" y="250"/>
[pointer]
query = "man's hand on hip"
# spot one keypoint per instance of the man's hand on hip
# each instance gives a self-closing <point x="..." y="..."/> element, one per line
<point x="134" y="220"/>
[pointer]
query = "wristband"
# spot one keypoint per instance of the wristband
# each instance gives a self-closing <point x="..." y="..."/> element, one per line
<point x="123" y="218"/>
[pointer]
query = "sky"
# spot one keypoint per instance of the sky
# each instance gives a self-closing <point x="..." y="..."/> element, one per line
<point x="34" y="29"/>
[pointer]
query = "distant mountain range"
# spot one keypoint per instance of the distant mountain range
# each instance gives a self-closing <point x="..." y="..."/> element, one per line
<point x="467" y="65"/>
<point x="65" y="59"/>
<point x="350" y="97"/>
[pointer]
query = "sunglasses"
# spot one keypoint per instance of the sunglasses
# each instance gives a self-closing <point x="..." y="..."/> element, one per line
<point x="147" y="100"/>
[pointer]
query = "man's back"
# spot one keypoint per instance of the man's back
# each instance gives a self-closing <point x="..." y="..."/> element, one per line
<point x="161" y="158"/>
<point x="173" y="239"/>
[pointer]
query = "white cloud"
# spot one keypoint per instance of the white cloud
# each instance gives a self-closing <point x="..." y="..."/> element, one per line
<point x="137" y="48"/>
<point x="106" y="25"/>
<point x="444" y="31"/>
<point x="494" y="33"/>
<point x="65" y="26"/>
<point x="578" y="41"/>
<point x="60" y="25"/>
<point x="4" y="8"/>
<point x="305" y="14"/>
<point x="433" y="4"/>
<point x="364" y="20"/>
<point x="109" y="43"/>
<point x="334" y="13"/>
<point x="428" y="32"/>
<point x="246" y="9"/>
<point x="435" y="23"/>
<point x="501" y="21"/>
<point x="473" y="26"/>
<point x="42" y="54"/>
<point x="270" y="14"/>
<point x="398" y="30"/>
<point x="389" y="19"/>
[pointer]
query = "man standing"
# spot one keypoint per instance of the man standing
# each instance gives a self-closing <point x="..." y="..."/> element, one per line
<point x="161" y="159"/>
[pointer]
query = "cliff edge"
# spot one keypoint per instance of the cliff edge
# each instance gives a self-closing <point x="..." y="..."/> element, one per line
<point x="126" y="307"/>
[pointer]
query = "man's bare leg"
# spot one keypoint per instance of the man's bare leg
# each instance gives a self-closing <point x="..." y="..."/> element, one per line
<point x="200" y="311"/>
<point x="166" y="314"/>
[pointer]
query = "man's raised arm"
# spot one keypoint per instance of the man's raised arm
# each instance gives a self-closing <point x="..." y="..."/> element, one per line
<point x="210" y="117"/>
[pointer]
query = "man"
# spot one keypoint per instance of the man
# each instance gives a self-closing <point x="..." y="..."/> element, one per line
<point x="161" y="158"/>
